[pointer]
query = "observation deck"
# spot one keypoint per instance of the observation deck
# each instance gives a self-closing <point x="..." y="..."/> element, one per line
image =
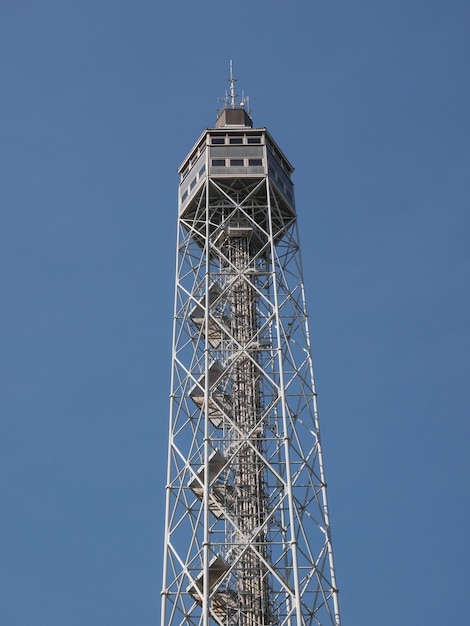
<point x="234" y="151"/>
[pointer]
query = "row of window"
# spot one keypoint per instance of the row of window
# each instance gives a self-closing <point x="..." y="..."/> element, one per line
<point x="219" y="140"/>
<point x="236" y="162"/>
<point x="194" y="157"/>
<point x="195" y="179"/>
<point x="193" y="183"/>
<point x="235" y="139"/>
<point x="280" y="159"/>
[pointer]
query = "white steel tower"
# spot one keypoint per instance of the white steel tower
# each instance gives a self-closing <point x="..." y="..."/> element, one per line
<point x="247" y="532"/>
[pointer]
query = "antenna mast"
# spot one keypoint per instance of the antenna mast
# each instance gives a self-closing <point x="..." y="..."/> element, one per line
<point x="232" y="81"/>
<point x="231" y="102"/>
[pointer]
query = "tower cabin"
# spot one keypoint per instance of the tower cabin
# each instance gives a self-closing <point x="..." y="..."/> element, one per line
<point x="234" y="150"/>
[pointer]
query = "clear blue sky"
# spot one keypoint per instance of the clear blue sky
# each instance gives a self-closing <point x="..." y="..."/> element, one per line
<point x="100" y="102"/>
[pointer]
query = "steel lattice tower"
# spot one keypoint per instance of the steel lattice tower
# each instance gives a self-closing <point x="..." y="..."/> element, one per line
<point x="247" y="533"/>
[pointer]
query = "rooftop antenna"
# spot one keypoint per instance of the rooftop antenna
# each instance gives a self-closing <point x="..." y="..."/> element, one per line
<point x="231" y="101"/>
<point x="232" y="81"/>
<point x="245" y="103"/>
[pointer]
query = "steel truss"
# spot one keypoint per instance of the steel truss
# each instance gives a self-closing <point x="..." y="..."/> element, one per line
<point x="247" y="535"/>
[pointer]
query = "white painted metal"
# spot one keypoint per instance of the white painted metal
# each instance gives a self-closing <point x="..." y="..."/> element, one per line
<point x="247" y="536"/>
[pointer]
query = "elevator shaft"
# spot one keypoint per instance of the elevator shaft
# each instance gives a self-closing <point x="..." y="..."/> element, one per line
<point x="249" y="539"/>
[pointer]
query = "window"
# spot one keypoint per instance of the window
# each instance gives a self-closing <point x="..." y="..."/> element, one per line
<point x="255" y="161"/>
<point x="254" y="139"/>
<point x="236" y="140"/>
<point x="218" y="162"/>
<point x="217" y="140"/>
<point x="184" y="196"/>
<point x="236" y="162"/>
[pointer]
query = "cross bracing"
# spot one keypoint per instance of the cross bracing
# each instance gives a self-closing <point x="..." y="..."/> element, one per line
<point x="247" y="534"/>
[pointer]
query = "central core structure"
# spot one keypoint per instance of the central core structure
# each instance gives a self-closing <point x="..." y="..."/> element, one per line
<point x="247" y="535"/>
